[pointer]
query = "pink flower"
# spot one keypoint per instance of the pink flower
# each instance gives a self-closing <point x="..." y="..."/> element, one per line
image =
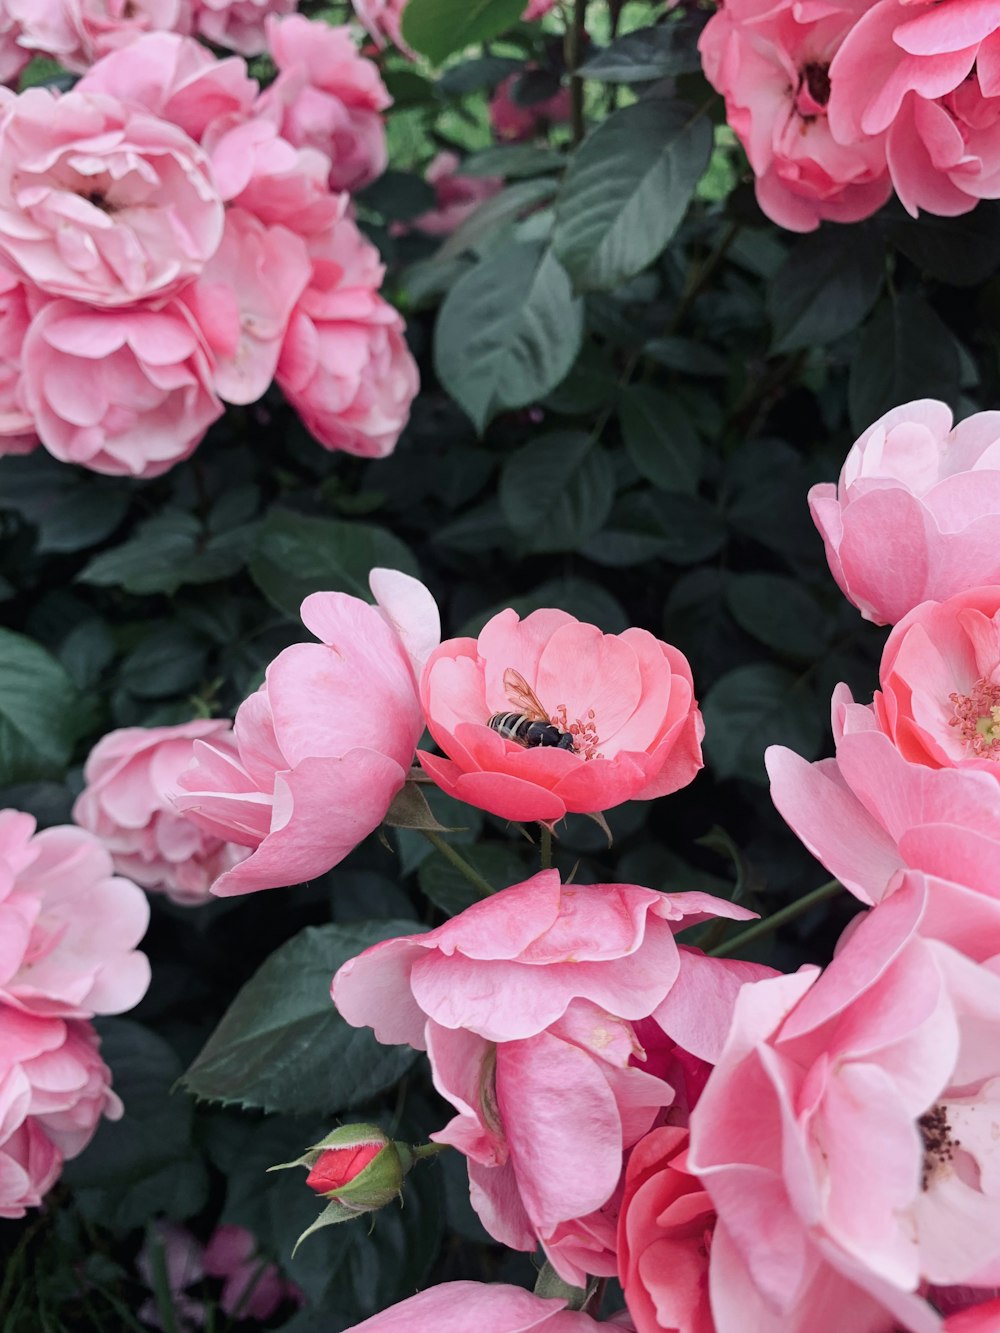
<point x="78" y="32"/>
<point x="127" y="803"/>
<point x="527" y="1004"/>
<point x="13" y="55"/>
<point x="457" y="1307"/>
<point x="325" y="743"/>
<point x="871" y="1168"/>
<point x="344" y="365"/>
<point x="54" y="1088"/>
<point x="627" y="701"/>
<point x="664" y="1235"/>
<point x="983" y="1318"/>
<point x="244" y="299"/>
<point x="123" y="392"/>
<point x="68" y="928"/>
<point x="774" y="66"/>
<point x="514" y="123"/>
<point x="175" y="79"/>
<point x="253" y="1288"/>
<point x="17" y="428"/>
<point x="915" y="513"/>
<point x="238" y="25"/>
<point x="101" y="201"/>
<point x="456" y="196"/>
<point x="329" y="97"/>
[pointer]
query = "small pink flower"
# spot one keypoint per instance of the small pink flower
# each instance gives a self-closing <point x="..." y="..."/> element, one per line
<point x="79" y="32"/>
<point x="325" y="743"/>
<point x="68" y="927"/>
<point x="101" y="201"/>
<point x="253" y="1288"/>
<point x="127" y="803"/>
<point x="54" y="1088"/>
<point x="457" y="1307"/>
<point x="626" y="700"/>
<point x="542" y="987"/>
<point x="17" y="427"/>
<point x="916" y="512"/>
<point x="238" y="25"/>
<point x="329" y="97"/>
<point x="515" y="123"/>
<point x="456" y="196"/>
<point x="123" y="392"/>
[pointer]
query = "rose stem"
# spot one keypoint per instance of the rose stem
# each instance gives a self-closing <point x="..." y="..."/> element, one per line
<point x="485" y="889"/>
<point x="789" y="913"/>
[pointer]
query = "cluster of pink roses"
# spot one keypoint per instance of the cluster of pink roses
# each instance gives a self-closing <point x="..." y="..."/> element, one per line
<point x="839" y="104"/>
<point x="68" y="931"/>
<point x="172" y="239"/>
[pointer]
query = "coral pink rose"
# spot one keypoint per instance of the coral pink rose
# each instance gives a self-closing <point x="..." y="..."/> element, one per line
<point x="984" y="1318"/>
<point x="873" y="1091"/>
<point x="514" y="122"/>
<point x="916" y="512"/>
<point x="176" y="79"/>
<point x="101" y="201"/>
<point x="243" y="301"/>
<point x="329" y="97"/>
<point x="78" y="32"/>
<point x="54" y="1088"/>
<point x="325" y="743"/>
<point x="131" y="776"/>
<point x="456" y="1307"/>
<point x="538" y="988"/>
<point x="68" y="927"/>
<point x="773" y="65"/>
<point x="456" y="196"/>
<point x="17" y="427"/>
<point x="123" y="392"/>
<point x="238" y="25"/>
<point x="627" y="700"/>
<point x="344" y="365"/>
<point x="664" y="1235"/>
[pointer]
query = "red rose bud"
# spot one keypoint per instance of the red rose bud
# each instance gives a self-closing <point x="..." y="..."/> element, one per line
<point x="337" y="1167"/>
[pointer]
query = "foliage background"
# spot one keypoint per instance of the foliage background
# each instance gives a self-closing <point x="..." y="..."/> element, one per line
<point x="630" y="381"/>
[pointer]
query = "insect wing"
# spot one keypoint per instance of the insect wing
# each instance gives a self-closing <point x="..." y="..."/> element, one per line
<point x="522" y="696"/>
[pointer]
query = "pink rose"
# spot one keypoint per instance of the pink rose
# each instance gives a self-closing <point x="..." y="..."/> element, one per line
<point x="252" y="1289"/>
<point x="916" y="512"/>
<point x="539" y="988"/>
<point x="456" y="197"/>
<point x="457" y="1307"/>
<point x="13" y="55"/>
<point x="238" y="25"/>
<point x="101" y="201"/>
<point x="325" y="743"/>
<point x="68" y="928"/>
<point x="78" y="32"/>
<point x="17" y="428"/>
<point x="983" y="1318"/>
<point x="54" y="1088"/>
<point x="515" y="123"/>
<point x="175" y="79"/>
<point x="626" y="700"/>
<point x="873" y="1090"/>
<point x="127" y="803"/>
<point x="344" y="365"/>
<point x="123" y="392"/>
<point x="244" y="299"/>
<point x="329" y="97"/>
<point x="774" y="66"/>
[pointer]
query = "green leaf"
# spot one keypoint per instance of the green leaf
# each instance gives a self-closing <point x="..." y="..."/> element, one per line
<point x="779" y="612"/>
<point x="646" y="54"/>
<point x="627" y="190"/>
<point x="660" y="439"/>
<point x="282" y="1046"/>
<point x="296" y="555"/>
<point x="71" y="509"/>
<point x="397" y="195"/>
<point x="963" y="251"/>
<point x="686" y="356"/>
<point x="582" y="598"/>
<point x="446" y="886"/>
<point x="907" y="352"/>
<point x="512" y="161"/>
<point x="683" y="529"/>
<point x="169" y="661"/>
<point x="39" y="711"/>
<point x="752" y="707"/>
<point x="410" y="810"/>
<point x="825" y="287"/>
<point x="167" y="551"/>
<point x="494" y="219"/>
<point x="557" y="491"/>
<point x="435" y="28"/>
<point x="508" y="332"/>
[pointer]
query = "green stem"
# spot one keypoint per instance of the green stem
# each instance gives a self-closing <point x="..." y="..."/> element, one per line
<point x="422" y="1150"/>
<point x="546" y="846"/>
<point x="486" y="890"/>
<point x="576" y="36"/>
<point x="770" y="923"/>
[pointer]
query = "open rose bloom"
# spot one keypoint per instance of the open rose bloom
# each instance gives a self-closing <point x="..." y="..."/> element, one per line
<point x="626" y="700"/>
<point x="455" y="1307"/>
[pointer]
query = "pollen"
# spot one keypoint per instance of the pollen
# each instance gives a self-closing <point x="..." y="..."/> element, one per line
<point x="939" y="1146"/>
<point x="583" y="730"/>
<point x="977" y="717"/>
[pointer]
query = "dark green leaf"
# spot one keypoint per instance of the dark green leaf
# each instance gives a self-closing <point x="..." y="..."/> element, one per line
<point x="646" y="54"/>
<point x="557" y="491"/>
<point x="825" y="287"/>
<point x="167" y="551"/>
<point x="512" y="161"/>
<point x="472" y="75"/>
<point x="660" y="439"/>
<point x="167" y="662"/>
<point x="658" y="525"/>
<point x="963" y="251"/>
<point x="71" y="509"/>
<point x="282" y="1046"/>
<point x="686" y="356"/>
<point x="508" y="332"/>
<point x="39" y="720"/>
<point x="779" y="612"/>
<point x="627" y="190"/>
<point x="449" y="890"/>
<point x="398" y="195"/>
<point x="435" y="28"/>
<point x="752" y="707"/>
<point x="906" y="352"/>
<point x="493" y="220"/>
<point x="297" y="555"/>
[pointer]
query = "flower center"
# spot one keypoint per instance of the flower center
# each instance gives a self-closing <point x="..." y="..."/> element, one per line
<point x="813" y="91"/>
<point x="977" y="717"/>
<point x="939" y="1146"/>
<point x="583" y="731"/>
